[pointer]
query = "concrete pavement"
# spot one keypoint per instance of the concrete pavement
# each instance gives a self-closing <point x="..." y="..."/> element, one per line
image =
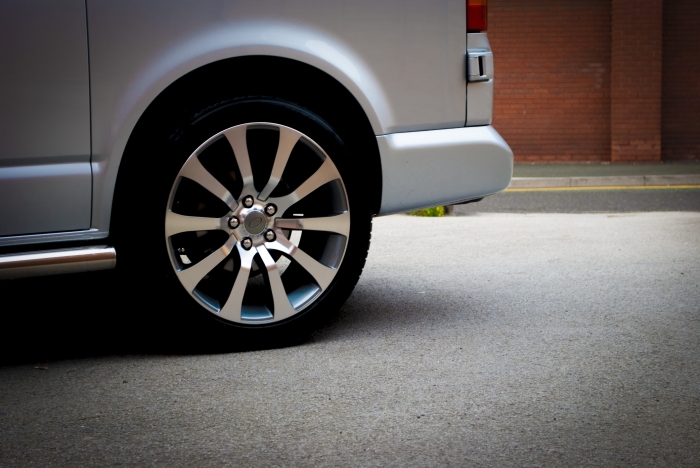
<point x="585" y="200"/>
<point x="492" y="340"/>
<point x="604" y="170"/>
<point x="526" y="176"/>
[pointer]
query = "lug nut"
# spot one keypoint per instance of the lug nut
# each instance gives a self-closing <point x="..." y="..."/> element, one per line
<point x="270" y="235"/>
<point x="271" y="209"/>
<point x="233" y="222"/>
<point x="248" y="201"/>
<point x="247" y="243"/>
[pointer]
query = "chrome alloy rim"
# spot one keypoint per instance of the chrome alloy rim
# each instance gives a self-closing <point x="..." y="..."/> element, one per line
<point x="236" y="249"/>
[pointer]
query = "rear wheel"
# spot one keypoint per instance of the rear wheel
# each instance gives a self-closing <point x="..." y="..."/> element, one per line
<point x="263" y="222"/>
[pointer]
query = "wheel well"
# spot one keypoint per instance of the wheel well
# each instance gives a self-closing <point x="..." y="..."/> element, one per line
<point x="282" y="78"/>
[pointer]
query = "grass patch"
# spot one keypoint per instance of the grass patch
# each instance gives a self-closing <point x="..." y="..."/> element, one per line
<point x="437" y="212"/>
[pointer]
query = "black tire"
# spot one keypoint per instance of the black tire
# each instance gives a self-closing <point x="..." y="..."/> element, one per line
<point x="152" y="161"/>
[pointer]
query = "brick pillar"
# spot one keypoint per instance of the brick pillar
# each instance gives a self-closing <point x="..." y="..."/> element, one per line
<point x="681" y="101"/>
<point x="637" y="44"/>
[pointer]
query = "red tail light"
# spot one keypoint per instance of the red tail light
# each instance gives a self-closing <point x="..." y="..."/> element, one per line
<point x="477" y="19"/>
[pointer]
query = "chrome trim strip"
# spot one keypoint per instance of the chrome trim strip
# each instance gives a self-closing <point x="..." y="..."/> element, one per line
<point x="55" y="262"/>
<point x="69" y="236"/>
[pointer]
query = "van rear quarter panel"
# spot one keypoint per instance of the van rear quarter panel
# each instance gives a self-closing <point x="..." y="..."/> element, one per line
<point x="402" y="60"/>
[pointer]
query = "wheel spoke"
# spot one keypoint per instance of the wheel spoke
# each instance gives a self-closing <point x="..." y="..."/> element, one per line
<point x="288" y="140"/>
<point x="237" y="138"/>
<point x="320" y="272"/>
<point x="194" y="171"/>
<point x="233" y="307"/>
<point x="176" y="223"/>
<point x="339" y="224"/>
<point x="326" y="173"/>
<point x="283" y="308"/>
<point x="191" y="277"/>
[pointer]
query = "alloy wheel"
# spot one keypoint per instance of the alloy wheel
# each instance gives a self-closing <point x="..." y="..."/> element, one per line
<point x="256" y="236"/>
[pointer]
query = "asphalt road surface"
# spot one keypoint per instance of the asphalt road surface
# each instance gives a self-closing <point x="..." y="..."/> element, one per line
<point x="488" y="340"/>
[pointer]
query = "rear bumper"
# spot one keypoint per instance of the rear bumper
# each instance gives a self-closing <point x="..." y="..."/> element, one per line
<point x="439" y="167"/>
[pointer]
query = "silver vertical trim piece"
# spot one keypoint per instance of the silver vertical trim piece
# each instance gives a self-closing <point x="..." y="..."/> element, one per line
<point x="480" y="74"/>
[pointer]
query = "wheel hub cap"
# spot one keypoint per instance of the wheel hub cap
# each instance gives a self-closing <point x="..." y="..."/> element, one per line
<point x="255" y="222"/>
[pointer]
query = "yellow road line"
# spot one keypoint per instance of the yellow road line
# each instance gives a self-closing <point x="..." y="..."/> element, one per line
<point x="612" y="187"/>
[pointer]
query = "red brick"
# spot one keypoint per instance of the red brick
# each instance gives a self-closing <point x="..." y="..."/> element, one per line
<point x="636" y="88"/>
<point x="553" y="63"/>
<point x="591" y="80"/>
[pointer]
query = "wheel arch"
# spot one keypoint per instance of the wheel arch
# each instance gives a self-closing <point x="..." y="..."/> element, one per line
<point x="300" y="84"/>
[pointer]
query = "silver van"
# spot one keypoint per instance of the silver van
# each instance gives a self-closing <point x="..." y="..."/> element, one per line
<point x="231" y="154"/>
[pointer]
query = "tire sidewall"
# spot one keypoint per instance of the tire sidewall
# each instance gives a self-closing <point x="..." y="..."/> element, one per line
<point x="164" y="153"/>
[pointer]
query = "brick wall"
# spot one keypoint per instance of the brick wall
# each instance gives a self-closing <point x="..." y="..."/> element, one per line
<point x="637" y="35"/>
<point x="681" y="80"/>
<point x="552" y="77"/>
<point x="597" y="80"/>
